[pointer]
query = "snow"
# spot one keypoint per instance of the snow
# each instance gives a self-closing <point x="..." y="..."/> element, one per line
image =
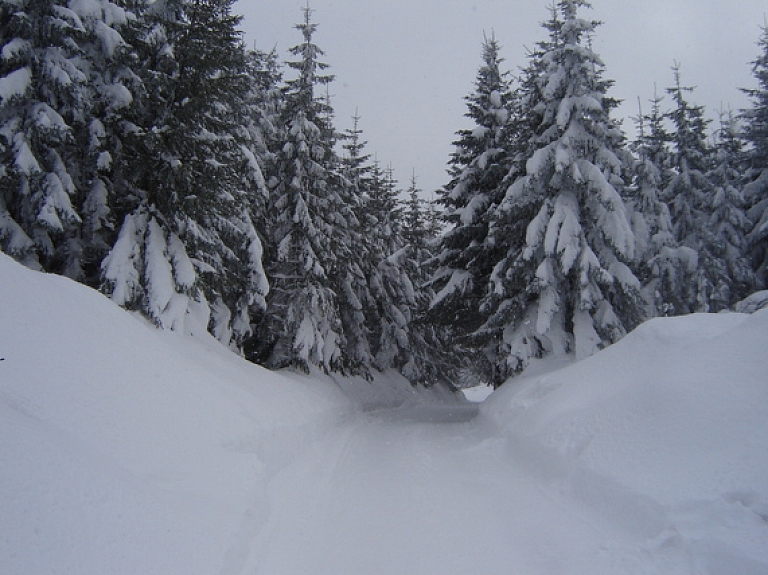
<point x="664" y="433"/>
<point x="118" y="96"/>
<point x="15" y="48"/>
<point x="86" y="8"/>
<point x="24" y="159"/>
<point x="15" y="84"/>
<point x="127" y="449"/>
<point x="753" y="303"/>
<point x="121" y="267"/>
<point x="457" y="284"/>
<point x="477" y="394"/>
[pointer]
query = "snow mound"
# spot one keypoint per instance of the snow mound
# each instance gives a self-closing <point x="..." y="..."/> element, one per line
<point x="665" y="432"/>
<point x="753" y="303"/>
<point x="126" y="449"/>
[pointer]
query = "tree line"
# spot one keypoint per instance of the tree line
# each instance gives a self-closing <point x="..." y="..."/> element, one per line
<point x="147" y="153"/>
<point x="565" y="236"/>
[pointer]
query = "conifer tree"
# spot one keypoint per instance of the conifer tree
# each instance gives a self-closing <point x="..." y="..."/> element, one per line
<point x="261" y="109"/>
<point x="415" y="231"/>
<point x="509" y="221"/>
<point x="649" y="215"/>
<point x="388" y="295"/>
<point x="480" y="165"/>
<point x="43" y="94"/>
<point x="431" y="360"/>
<point x="187" y="252"/>
<point x="693" y="198"/>
<point x="309" y="237"/>
<point x="386" y="204"/>
<point x="664" y="268"/>
<point x="109" y="61"/>
<point x="731" y="276"/>
<point x="688" y="188"/>
<point x="756" y="189"/>
<point x="567" y="288"/>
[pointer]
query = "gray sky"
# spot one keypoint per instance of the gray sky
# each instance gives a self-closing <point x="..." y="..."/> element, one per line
<point x="407" y="64"/>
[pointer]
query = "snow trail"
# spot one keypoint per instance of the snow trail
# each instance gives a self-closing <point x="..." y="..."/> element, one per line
<point x="423" y="490"/>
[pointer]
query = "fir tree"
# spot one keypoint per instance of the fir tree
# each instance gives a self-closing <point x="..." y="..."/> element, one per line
<point x="756" y="189"/>
<point x="567" y="287"/>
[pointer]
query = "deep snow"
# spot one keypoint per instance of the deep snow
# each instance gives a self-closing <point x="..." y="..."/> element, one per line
<point x="128" y="450"/>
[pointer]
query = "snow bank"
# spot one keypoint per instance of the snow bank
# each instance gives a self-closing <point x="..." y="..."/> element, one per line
<point x="125" y="449"/>
<point x="665" y="433"/>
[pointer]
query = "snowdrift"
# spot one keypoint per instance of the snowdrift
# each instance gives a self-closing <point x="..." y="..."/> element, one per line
<point x="125" y="449"/>
<point x="665" y="433"/>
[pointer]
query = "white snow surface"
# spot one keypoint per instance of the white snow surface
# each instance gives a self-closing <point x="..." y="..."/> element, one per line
<point x="14" y="84"/>
<point x="125" y="449"/>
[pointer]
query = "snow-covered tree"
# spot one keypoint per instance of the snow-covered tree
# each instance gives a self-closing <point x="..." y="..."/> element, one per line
<point x="43" y="94"/>
<point x="309" y="234"/>
<point x="109" y="61"/>
<point x="665" y="269"/>
<point x="187" y="252"/>
<point x="415" y="231"/>
<point x="384" y="297"/>
<point x="481" y="162"/>
<point x="261" y="110"/>
<point x="756" y="189"/>
<point x="567" y="288"/>
<point x="693" y="198"/>
<point x="688" y="188"/>
<point x="724" y="234"/>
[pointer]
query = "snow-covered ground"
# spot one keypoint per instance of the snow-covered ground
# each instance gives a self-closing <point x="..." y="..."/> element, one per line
<point x="126" y="450"/>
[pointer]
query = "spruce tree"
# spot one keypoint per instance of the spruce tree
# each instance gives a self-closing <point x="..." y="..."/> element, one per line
<point x="109" y="62"/>
<point x="665" y="269"/>
<point x="688" y="188"/>
<point x="756" y="189"/>
<point x="309" y="236"/>
<point x="261" y="109"/>
<point x="567" y="287"/>
<point x="43" y="94"/>
<point x="694" y="200"/>
<point x="415" y="231"/>
<point x="509" y="221"/>
<point x="479" y="165"/>
<point x="731" y="277"/>
<point x="187" y="253"/>
<point x="388" y="295"/>
<point x="431" y="360"/>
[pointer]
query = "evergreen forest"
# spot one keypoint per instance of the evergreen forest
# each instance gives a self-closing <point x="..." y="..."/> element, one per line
<point x="146" y="152"/>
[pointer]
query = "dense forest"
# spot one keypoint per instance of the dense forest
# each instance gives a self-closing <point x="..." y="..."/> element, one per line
<point x="147" y="153"/>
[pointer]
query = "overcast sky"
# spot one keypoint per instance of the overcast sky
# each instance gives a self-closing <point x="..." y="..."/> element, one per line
<point x="407" y="64"/>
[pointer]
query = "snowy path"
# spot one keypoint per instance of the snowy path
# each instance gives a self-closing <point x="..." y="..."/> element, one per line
<point x="423" y="491"/>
